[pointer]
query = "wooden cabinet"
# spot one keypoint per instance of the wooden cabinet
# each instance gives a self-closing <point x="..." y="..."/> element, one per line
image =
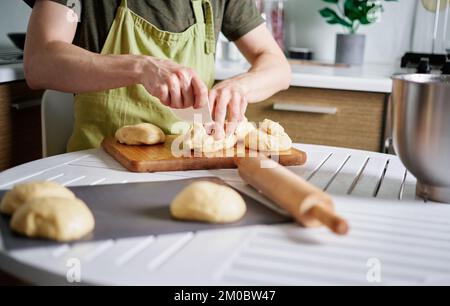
<point x="20" y="124"/>
<point x="327" y="117"/>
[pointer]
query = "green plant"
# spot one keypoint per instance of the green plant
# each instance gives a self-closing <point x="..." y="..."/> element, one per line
<point x="351" y="14"/>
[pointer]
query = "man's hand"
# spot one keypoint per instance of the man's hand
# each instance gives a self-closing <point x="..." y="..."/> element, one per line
<point x="228" y="102"/>
<point x="176" y="86"/>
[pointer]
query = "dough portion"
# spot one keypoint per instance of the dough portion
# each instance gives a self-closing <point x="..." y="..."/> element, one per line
<point x="208" y="202"/>
<point x="140" y="134"/>
<point x="53" y="218"/>
<point x="243" y="129"/>
<point x="270" y="137"/>
<point x="22" y="193"/>
<point x="198" y="139"/>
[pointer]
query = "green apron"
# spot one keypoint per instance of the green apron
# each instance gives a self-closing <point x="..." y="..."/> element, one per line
<point x="100" y="114"/>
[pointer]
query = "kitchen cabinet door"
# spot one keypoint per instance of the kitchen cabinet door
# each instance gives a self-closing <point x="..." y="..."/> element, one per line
<point x="20" y="124"/>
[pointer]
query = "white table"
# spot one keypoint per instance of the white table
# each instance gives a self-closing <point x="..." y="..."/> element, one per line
<point x="372" y="190"/>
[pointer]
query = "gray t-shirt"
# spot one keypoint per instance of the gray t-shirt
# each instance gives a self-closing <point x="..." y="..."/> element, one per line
<point x="234" y="18"/>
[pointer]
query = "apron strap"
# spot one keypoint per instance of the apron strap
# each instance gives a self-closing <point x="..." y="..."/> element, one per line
<point x="203" y="12"/>
<point x="124" y="4"/>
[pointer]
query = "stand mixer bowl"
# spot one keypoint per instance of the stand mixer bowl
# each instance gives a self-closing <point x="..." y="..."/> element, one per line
<point x="421" y="122"/>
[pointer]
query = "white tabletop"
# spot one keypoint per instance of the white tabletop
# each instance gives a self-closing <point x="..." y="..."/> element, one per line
<point x="373" y="191"/>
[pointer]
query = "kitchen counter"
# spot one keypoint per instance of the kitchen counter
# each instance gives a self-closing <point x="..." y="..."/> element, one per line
<point x="11" y="73"/>
<point x="369" y="78"/>
<point x="373" y="191"/>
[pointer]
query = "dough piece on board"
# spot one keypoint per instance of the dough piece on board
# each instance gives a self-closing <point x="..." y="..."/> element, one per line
<point x="22" y="193"/>
<point x="258" y="140"/>
<point x="198" y="139"/>
<point x="53" y="218"/>
<point x="208" y="202"/>
<point x="272" y="128"/>
<point x="140" y="134"/>
<point x="243" y="129"/>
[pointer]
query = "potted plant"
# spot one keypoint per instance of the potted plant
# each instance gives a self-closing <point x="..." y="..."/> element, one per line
<point x="351" y="14"/>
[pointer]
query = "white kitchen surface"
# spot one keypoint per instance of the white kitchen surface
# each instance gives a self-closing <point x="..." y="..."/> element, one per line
<point x="390" y="229"/>
<point x="370" y="78"/>
<point x="11" y="73"/>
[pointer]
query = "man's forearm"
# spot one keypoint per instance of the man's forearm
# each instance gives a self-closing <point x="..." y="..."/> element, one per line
<point x="65" y="67"/>
<point x="268" y="75"/>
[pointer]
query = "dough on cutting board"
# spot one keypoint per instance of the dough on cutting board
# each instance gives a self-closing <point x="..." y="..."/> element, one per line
<point x="208" y="202"/>
<point x="53" y="218"/>
<point x="270" y="137"/>
<point x="140" y="134"/>
<point x="198" y="139"/>
<point x="22" y="193"/>
<point x="243" y="129"/>
<point x="272" y="128"/>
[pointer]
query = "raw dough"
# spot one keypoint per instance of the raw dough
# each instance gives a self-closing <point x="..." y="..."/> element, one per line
<point x="198" y="139"/>
<point x="243" y="129"/>
<point x="22" y="193"/>
<point x="272" y="128"/>
<point x="258" y="140"/>
<point x="270" y="137"/>
<point x="54" y="218"/>
<point x="208" y="202"/>
<point x="140" y="134"/>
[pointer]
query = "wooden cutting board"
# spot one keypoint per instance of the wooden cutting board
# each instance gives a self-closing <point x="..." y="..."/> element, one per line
<point x="159" y="158"/>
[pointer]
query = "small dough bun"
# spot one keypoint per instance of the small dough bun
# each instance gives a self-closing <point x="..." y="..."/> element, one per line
<point x="140" y="134"/>
<point x="208" y="202"/>
<point x="198" y="139"/>
<point x="53" y="218"/>
<point x="243" y="129"/>
<point x="272" y="128"/>
<point x="22" y="193"/>
<point x="271" y="137"/>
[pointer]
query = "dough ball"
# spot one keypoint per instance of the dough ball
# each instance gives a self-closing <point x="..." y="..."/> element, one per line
<point x="258" y="140"/>
<point x="22" y="193"/>
<point x="140" y="134"/>
<point x="208" y="202"/>
<point x="243" y="129"/>
<point x="198" y="139"/>
<point x="53" y="218"/>
<point x="272" y="128"/>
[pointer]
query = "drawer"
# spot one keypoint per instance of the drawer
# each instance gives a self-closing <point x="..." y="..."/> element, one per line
<point x="20" y="124"/>
<point x="327" y="117"/>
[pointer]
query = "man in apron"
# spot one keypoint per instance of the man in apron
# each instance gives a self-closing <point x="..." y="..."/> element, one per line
<point x="133" y="61"/>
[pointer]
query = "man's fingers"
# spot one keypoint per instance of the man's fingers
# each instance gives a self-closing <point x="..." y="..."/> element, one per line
<point x="176" y="100"/>
<point x="200" y="91"/>
<point x="243" y="108"/>
<point x="220" y="112"/>
<point x="163" y="94"/>
<point x="187" y="92"/>
<point x="234" y="113"/>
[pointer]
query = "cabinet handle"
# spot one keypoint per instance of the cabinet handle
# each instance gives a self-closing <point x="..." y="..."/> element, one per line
<point x="313" y="109"/>
<point x="26" y="105"/>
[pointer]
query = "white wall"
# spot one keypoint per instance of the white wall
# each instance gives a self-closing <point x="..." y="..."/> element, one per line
<point x="387" y="41"/>
<point x="14" y="16"/>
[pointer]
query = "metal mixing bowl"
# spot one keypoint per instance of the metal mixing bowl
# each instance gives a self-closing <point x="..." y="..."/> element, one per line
<point x="421" y="122"/>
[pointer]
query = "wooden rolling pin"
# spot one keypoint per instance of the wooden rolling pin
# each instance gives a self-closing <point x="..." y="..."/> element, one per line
<point x="309" y="205"/>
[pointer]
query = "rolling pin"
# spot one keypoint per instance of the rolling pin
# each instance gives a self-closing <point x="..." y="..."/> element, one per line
<point x="307" y="204"/>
